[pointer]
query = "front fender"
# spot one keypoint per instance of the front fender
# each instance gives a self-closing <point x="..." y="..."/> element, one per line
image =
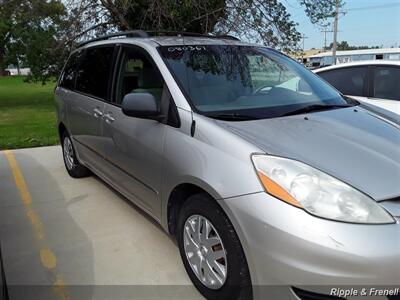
<point x="214" y="159"/>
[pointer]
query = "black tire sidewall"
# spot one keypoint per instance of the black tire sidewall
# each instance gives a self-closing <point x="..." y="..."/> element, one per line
<point x="238" y="278"/>
<point x="77" y="170"/>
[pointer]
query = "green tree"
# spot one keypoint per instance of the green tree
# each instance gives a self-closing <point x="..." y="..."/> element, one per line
<point x="320" y="12"/>
<point x="6" y="10"/>
<point x="169" y="15"/>
<point x="30" y="35"/>
<point x="41" y="33"/>
<point x="266" y="21"/>
<point x="344" y="45"/>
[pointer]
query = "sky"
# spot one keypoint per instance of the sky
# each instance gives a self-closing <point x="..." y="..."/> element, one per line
<point x="365" y="23"/>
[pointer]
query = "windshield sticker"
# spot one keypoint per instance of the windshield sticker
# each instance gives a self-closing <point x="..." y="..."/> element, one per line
<point x="186" y="48"/>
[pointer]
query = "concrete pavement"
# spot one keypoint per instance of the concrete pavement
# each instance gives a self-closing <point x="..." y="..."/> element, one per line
<point x="65" y="238"/>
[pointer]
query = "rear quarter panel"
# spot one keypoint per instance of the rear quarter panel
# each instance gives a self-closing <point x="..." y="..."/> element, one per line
<point x="60" y="97"/>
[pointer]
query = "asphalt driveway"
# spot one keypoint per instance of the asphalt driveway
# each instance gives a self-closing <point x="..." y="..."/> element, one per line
<point x="65" y="238"/>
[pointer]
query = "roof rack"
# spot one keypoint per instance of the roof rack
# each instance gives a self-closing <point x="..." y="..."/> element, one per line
<point x="130" y="33"/>
<point x="185" y="33"/>
<point x="146" y="34"/>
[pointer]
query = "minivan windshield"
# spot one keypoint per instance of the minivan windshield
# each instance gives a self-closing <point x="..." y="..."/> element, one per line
<point x="247" y="82"/>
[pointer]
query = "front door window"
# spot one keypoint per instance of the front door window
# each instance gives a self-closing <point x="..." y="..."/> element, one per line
<point x="137" y="74"/>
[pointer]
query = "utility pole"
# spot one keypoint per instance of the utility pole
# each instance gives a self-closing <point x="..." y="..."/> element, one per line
<point x="335" y="28"/>
<point x="325" y="31"/>
<point x="302" y="52"/>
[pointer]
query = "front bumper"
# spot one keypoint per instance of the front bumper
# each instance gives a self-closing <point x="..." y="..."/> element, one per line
<point x="285" y="245"/>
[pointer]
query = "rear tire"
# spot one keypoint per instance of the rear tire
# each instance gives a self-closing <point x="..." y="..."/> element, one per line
<point x="199" y="258"/>
<point x="74" y="167"/>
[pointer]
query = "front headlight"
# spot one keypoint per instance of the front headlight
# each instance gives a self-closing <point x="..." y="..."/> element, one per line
<point x="316" y="192"/>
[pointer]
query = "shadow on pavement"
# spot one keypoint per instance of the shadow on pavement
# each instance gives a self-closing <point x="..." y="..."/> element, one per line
<point x="27" y="275"/>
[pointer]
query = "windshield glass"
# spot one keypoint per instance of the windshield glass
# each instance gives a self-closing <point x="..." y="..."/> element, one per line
<point x="245" y="81"/>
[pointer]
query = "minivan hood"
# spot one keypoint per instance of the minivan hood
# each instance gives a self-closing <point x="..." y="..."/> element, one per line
<point x="353" y="145"/>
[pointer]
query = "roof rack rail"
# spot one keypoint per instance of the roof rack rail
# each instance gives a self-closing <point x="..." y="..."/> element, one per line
<point x="227" y="36"/>
<point x="185" y="33"/>
<point x="130" y="33"/>
<point x="146" y="34"/>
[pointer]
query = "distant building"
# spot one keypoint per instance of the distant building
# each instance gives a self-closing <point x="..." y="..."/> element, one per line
<point x="303" y="56"/>
<point x="15" y="71"/>
<point x="325" y="58"/>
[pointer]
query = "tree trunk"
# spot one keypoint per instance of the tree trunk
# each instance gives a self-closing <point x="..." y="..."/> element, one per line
<point x="18" y="68"/>
<point x="2" y="66"/>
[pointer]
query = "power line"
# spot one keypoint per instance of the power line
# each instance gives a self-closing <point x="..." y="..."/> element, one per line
<point x="292" y="6"/>
<point x="304" y="37"/>
<point x="325" y="31"/>
<point x="302" y="52"/>
<point x="374" y="6"/>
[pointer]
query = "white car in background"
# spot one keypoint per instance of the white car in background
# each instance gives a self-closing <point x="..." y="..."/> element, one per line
<point x="374" y="82"/>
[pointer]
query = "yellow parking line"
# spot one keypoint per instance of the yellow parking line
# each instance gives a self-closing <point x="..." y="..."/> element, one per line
<point x="19" y="179"/>
<point x="47" y="257"/>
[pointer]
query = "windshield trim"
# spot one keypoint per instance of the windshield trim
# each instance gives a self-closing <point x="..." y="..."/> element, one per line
<point x="177" y="81"/>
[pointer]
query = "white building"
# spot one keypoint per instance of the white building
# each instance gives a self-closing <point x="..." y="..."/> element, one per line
<point x="325" y="58"/>
<point x="22" y="71"/>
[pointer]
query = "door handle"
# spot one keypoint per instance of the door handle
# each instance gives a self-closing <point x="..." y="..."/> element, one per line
<point x="109" y="118"/>
<point x="97" y="113"/>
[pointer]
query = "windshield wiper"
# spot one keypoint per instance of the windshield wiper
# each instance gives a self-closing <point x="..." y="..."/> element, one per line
<point x="232" y="117"/>
<point x="314" y="107"/>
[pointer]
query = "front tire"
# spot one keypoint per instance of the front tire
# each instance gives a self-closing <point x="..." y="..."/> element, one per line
<point x="74" y="167"/>
<point x="211" y="251"/>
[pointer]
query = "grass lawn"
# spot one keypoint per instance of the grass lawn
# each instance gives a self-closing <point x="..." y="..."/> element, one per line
<point x="27" y="114"/>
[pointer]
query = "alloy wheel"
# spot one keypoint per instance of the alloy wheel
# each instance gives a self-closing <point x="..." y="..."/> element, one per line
<point x="68" y="153"/>
<point x="205" y="251"/>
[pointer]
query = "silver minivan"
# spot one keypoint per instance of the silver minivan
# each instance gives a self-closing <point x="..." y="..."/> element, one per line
<point x="262" y="182"/>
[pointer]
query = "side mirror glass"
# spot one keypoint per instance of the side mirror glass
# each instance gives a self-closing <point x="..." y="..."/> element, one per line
<point x="140" y="105"/>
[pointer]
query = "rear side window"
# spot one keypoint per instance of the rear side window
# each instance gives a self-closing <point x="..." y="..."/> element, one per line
<point x="94" y="72"/>
<point x="386" y="82"/>
<point x="67" y="79"/>
<point x="349" y="81"/>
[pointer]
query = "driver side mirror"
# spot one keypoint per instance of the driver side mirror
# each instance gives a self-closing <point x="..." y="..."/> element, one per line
<point x="140" y="105"/>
